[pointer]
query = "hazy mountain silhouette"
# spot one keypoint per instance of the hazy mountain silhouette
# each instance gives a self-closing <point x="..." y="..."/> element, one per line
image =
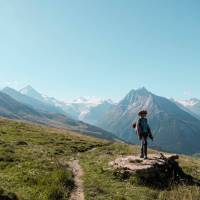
<point x="95" y="114"/>
<point x="12" y="109"/>
<point x="31" y="92"/>
<point x="33" y="102"/>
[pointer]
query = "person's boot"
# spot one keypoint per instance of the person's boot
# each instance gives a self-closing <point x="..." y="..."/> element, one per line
<point x="145" y="152"/>
<point x="141" y="156"/>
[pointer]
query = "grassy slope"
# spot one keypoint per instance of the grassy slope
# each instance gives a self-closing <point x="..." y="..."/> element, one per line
<point x="38" y="170"/>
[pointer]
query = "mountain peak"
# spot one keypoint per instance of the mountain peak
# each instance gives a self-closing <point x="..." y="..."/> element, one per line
<point x="31" y="92"/>
<point x="135" y="95"/>
<point x="7" y="88"/>
<point x="27" y="88"/>
<point x="142" y="90"/>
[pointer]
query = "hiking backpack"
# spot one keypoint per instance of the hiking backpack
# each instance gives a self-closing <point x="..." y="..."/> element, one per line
<point x="143" y="124"/>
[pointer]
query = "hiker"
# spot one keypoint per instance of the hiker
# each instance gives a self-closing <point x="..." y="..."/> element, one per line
<point x="143" y="131"/>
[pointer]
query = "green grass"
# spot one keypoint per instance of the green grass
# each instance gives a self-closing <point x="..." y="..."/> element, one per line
<point x="34" y="166"/>
<point x="100" y="182"/>
<point x="33" y="160"/>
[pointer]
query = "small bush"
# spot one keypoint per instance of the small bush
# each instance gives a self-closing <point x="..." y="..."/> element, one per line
<point x="56" y="193"/>
<point x="7" y="157"/>
<point x="21" y="143"/>
<point x="10" y="150"/>
<point x="62" y="184"/>
<point x="59" y="151"/>
<point x="7" y="195"/>
<point x="3" y="132"/>
<point x="65" y="178"/>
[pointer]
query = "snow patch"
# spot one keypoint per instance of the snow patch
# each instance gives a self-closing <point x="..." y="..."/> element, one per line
<point x="90" y="101"/>
<point x="189" y="102"/>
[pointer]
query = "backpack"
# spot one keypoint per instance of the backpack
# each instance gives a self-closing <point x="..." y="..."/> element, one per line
<point x="143" y="126"/>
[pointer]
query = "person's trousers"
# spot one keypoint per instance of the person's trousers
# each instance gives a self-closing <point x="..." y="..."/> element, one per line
<point x="144" y="146"/>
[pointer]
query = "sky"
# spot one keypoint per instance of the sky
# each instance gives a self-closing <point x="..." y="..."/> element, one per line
<point x="102" y="48"/>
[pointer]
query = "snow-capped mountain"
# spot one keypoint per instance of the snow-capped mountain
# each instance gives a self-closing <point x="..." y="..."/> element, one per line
<point x="14" y="105"/>
<point x="90" y="101"/>
<point x="31" y="92"/>
<point x="189" y="102"/>
<point x="193" y="105"/>
<point x="79" y="108"/>
<point x="41" y="105"/>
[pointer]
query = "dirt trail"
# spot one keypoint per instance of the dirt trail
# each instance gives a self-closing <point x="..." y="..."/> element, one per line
<point x="77" y="193"/>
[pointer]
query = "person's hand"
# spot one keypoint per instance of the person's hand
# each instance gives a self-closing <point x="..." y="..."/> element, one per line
<point x="134" y="125"/>
<point x="151" y="137"/>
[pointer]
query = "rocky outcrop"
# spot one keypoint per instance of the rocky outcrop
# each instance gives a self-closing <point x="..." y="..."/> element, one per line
<point x="135" y="164"/>
<point x="157" y="170"/>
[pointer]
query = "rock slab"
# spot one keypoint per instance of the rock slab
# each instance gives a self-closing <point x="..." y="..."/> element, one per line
<point x="156" y="163"/>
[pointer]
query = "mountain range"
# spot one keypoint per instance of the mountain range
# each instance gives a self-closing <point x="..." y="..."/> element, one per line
<point x="175" y="124"/>
<point x="76" y="109"/>
<point x="18" y="106"/>
<point x="33" y="99"/>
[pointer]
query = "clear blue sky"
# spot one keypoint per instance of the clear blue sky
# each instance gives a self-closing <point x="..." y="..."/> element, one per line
<point x="71" y="48"/>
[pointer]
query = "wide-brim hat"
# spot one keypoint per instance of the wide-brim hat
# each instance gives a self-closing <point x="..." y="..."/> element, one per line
<point x="143" y="112"/>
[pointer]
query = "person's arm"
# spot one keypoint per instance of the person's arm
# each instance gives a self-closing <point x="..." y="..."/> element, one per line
<point x="150" y="133"/>
<point x="138" y="129"/>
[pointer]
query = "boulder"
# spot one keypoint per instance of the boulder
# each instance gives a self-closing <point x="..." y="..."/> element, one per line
<point x="158" y="168"/>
